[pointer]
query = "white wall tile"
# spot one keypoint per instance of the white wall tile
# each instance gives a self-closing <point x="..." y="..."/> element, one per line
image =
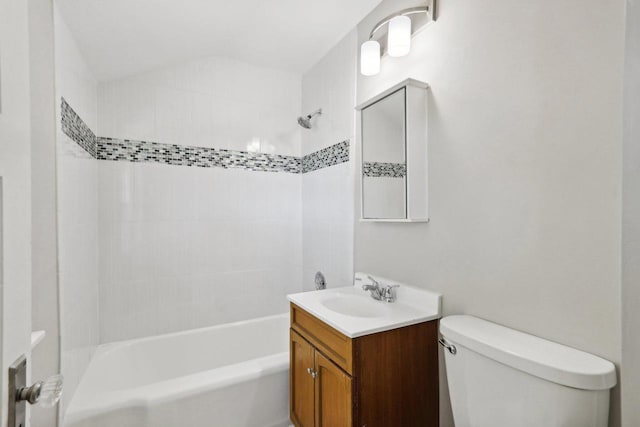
<point x="327" y="194"/>
<point x="330" y="85"/>
<point x="184" y="247"/>
<point x="212" y="102"/>
<point x="188" y="247"/>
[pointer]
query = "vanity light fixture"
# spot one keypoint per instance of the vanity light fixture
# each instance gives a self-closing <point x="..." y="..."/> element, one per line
<point x="399" y="29"/>
<point x="399" y="41"/>
<point x="370" y="58"/>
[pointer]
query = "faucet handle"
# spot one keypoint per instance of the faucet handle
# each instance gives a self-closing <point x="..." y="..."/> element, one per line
<point x="374" y="281"/>
<point x="389" y="293"/>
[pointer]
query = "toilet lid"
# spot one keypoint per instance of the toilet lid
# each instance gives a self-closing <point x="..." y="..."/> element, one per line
<point x="536" y="356"/>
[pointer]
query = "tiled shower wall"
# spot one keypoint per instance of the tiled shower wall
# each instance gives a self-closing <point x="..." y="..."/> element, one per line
<point x="212" y="102"/>
<point x="185" y="247"/>
<point x="183" y="193"/>
<point x="327" y="193"/>
<point x="201" y="211"/>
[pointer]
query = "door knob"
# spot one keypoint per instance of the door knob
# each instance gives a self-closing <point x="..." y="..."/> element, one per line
<point x="45" y="393"/>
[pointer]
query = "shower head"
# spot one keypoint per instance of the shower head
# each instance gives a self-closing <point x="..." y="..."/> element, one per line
<point x="305" y="121"/>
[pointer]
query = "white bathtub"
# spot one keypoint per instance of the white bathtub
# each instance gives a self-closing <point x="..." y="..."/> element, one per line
<point x="233" y="375"/>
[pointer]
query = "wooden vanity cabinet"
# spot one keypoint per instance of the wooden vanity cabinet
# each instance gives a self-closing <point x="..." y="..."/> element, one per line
<point x="301" y="402"/>
<point x="386" y="379"/>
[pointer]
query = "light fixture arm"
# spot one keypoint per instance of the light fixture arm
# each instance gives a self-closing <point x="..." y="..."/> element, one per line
<point x="401" y="28"/>
<point x="405" y="12"/>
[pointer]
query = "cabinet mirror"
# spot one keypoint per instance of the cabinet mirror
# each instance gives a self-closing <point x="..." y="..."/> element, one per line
<point x="393" y="137"/>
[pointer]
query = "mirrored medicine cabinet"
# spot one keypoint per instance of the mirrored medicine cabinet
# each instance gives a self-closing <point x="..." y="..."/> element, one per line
<point x="393" y="141"/>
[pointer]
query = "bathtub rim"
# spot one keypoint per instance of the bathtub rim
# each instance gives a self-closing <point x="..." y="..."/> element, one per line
<point x="108" y="347"/>
<point x="179" y="388"/>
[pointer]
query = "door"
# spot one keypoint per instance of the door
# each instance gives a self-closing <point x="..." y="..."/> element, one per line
<point x="333" y="394"/>
<point x="301" y="380"/>
<point x="15" y="198"/>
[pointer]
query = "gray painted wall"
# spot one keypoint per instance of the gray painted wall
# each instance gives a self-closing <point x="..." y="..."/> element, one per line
<point x="631" y="223"/>
<point x="525" y="168"/>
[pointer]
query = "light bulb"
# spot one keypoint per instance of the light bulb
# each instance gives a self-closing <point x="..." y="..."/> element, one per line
<point x="399" y="40"/>
<point x="370" y="58"/>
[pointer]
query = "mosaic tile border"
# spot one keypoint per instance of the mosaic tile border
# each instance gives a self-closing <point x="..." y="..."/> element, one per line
<point x="329" y="156"/>
<point x="115" y="149"/>
<point x="76" y="129"/>
<point x="386" y="170"/>
<point x="204" y="157"/>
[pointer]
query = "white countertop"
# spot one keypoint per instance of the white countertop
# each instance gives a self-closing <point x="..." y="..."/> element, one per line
<point x="413" y="305"/>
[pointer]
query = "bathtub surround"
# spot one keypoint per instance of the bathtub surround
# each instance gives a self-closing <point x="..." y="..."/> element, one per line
<point x="184" y="247"/>
<point x="208" y="243"/>
<point x="327" y="193"/>
<point x="188" y="247"/>
<point x="524" y="169"/>
<point x="135" y="254"/>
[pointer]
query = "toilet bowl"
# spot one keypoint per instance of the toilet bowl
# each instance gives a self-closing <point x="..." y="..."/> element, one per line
<point x="500" y="377"/>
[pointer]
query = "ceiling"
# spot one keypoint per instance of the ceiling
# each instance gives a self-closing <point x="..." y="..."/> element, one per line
<point x="123" y="37"/>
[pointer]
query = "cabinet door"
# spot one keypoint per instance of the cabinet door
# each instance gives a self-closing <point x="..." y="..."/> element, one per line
<point x="301" y="387"/>
<point x="333" y="394"/>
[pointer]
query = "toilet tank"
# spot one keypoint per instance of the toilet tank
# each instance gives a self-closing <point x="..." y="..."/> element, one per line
<point x="500" y="377"/>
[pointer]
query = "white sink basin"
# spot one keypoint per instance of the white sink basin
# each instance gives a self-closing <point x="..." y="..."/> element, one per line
<point x="353" y="312"/>
<point x="356" y="306"/>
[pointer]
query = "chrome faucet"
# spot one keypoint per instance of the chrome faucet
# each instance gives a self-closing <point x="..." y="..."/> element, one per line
<point x="379" y="292"/>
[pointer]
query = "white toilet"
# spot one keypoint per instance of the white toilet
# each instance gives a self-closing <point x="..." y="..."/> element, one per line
<point x="499" y="377"/>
